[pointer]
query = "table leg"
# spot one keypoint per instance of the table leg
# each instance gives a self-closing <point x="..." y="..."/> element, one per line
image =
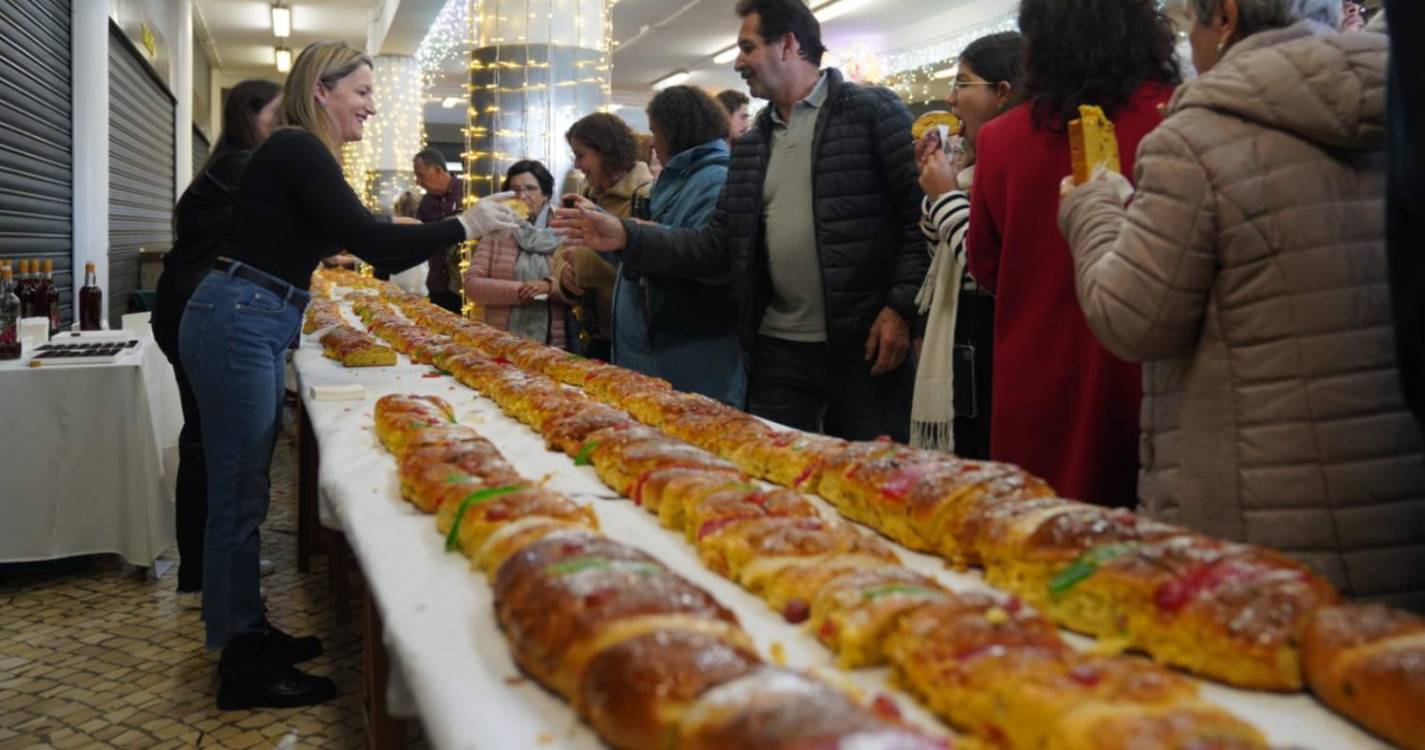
<point x="339" y="565"/>
<point x="308" y="516"/>
<point x="382" y="731"/>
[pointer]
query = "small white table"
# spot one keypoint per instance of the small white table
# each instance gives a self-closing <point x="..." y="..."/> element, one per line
<point x="89" y="458"/>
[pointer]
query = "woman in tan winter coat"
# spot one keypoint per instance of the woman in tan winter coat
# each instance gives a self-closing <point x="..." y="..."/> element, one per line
<point x="1249" y="275"/>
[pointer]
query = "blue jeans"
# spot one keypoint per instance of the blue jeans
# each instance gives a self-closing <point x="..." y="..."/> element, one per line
<point x="232" y="343"/>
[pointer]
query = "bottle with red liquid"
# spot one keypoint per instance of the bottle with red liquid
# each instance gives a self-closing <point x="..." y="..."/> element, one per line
<point x="34" y="301"/>
<point x="24" y="290"/>
<point x="91" y="301"/>
<point x="51" y="298"/>
<point x="9" y="316"/>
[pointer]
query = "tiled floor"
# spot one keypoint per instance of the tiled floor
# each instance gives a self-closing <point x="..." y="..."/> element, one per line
<point x="102" y="658"/>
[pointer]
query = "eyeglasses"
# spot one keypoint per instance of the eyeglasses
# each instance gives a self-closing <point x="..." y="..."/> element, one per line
<point x="518" y="189"/>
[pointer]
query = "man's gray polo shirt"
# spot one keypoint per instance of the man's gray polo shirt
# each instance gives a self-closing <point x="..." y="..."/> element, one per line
<point x="797" y="311"/>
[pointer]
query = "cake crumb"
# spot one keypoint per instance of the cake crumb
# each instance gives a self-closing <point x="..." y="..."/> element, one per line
<point x="779" y="654"/>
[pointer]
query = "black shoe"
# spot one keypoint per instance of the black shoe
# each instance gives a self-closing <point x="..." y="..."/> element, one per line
<point x="246" y="680"/>
<point x="281" y="648"/>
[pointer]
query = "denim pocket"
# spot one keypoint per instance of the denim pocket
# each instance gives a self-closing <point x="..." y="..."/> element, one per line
<point x="261" y="301"/>
<point x="192" y="331"/>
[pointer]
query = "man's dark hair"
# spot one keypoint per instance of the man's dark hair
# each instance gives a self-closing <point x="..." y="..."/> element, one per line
<point x="1095" y="52"/>
<point x="609" y="136"/>
<point x="732" y="100"/>
<point x="534" y="167"/>
<point x="688" y="117"/>
<point x="431" y="158"/>
<point x="787" y="17"/>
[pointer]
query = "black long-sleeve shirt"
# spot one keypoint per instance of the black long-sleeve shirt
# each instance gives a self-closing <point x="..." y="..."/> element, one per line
<point x="200" y="224"/>
<point x="294" y="208"/>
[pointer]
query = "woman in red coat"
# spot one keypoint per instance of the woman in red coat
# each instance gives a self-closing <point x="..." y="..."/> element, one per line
<point x="1063" y="407"/>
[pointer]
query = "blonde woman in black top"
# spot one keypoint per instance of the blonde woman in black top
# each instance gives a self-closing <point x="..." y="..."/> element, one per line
<point x="200" y="222"/>
<point x="293" y="208"/>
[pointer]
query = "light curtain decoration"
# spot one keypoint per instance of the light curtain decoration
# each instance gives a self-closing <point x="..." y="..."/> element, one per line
<point x="535" y="67"/>
<point x="449" y="38"/>
<point x="353" y="166"/>
<point x="378" y="167"/>
<point x="397" y="132"/>
<point x="909" y="71"/>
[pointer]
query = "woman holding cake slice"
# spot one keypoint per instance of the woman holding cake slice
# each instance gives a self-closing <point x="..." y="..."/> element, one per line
<point x="1249" y="276"/>
<point x="1063" y="406"/>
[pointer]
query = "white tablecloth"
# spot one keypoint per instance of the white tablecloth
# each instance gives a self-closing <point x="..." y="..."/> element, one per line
<point x="88" y="458"/>
<point x="446" y="649"/>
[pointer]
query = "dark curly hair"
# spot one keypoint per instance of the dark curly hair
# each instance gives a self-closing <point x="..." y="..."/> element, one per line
<point x="688" y="117"/>
<point x="607" y="135"/>
<point x="1095" y="52"/>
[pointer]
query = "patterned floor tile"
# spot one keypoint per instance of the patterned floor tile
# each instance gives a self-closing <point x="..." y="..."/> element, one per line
<point x="95" y="655"/>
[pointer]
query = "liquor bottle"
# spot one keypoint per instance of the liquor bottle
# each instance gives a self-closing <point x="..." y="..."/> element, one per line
<point x="9" y="316"/>
<point x="36" y="304"/>
<point x="24" y="289"/>
<point x="91" y="301"/>
<point x="39" y="293"/>
<point x="51" y="295"/>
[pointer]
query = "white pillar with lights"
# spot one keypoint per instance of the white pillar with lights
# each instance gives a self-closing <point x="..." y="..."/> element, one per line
<point x="397" y="132"/>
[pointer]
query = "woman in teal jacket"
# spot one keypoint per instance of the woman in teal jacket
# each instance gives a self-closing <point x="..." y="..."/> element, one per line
<point x="682" y="330"/>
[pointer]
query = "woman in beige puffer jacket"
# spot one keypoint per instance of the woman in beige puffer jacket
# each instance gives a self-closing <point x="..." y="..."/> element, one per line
<point x="1249" y="275"/>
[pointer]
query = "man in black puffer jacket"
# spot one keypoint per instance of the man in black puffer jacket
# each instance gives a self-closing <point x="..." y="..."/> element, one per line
<point x="817" y="226"/>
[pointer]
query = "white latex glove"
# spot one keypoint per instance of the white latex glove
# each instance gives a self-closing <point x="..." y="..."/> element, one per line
<point x="489" y="215"/>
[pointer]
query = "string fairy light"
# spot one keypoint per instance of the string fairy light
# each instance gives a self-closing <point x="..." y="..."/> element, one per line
<point x="910" y="71"/>
<point x="534" y="67"/>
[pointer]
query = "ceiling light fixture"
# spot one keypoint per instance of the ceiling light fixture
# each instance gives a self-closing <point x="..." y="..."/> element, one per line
<point x="949" y="72"/>
<point x="836" y="8"/>
<point x="726" y="56"/>
<point x="451" y="102"/>
<point x="673" y="79"/>
<point x="282" y="56"/>
<point x="281" y="21"/>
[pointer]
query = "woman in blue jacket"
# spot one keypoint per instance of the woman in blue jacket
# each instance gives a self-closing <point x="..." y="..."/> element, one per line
<point x="678" y="329"/>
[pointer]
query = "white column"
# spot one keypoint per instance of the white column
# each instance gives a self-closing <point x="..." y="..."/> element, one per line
<point x="89" y="40"/>
<point x="183" y="94"/>
<point x="395" y="135"/>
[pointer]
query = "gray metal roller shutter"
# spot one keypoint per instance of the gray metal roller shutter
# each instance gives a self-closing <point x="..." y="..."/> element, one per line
<point x="36" y="158"/>
<point x="200" y="151"/>
<point x="141" y="168"/>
